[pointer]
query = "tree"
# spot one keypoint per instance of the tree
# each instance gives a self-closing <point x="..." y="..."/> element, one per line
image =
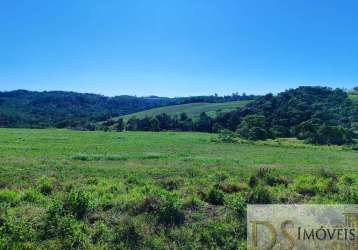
<point x="183" y="117"/>
<point x="334" y="135"/>
<point x="205" y="123"/>
<point x="164" y="121"/>
<point x="119" y="125"/>
<point x="307" y="130"/>
<point x="154" y="124"/>
<point x="132" y="124"/>
<point x="254" y="127"/>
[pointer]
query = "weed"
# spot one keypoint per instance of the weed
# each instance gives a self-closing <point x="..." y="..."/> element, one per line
<point x="215" y="197"/>
<point x="46" y="185"/>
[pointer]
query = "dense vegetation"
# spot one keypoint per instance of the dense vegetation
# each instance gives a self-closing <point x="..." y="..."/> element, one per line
<point x="63" y="189"/>
<point x="74" y="110"/>
<point x="318" y="115"/>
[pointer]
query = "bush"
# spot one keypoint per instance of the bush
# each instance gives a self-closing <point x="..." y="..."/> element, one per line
<point x="101" y="235"/>
<point x="169" y="212"/>
<point x="346" y="180"/>
<point x="347" y="190"/>
<point x="232" y="187"/>
<point x="259" y="195"/>
<point x="227" y="136"/>
<point x="253" y="181"/>
<point x="217" y="235"/>
<point x="16" y="233"/>
<point x="77" y="203"/>
<point x="333" y="135"/>
<point x="276" y="180"/>
<point x="46" y="185"/>
<point x="128" y="234"/>
<point x="215" y="197"/>
<point x="72" y="233"/>
<point x="164" y="205"/>
<point x="32" y="195"/>
<point x="310" y="185"/>
<point x="327" y="173"/>
<point x="348" y="195"/>
<point x="192" y="203"/>
<point x="8" y="196"/>
<point x="238" y="205"/>
<point x="305" y="185"/>
<point x="254" y="127"/>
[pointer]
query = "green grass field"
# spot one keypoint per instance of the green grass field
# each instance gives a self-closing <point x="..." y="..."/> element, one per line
<point x="193" y="110"/>
<point x="62" y="189"/>
<point x="354" y="97"/>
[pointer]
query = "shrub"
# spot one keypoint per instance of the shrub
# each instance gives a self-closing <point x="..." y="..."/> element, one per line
<point x="133" y="179"/>
<point x="253" y="181"/>
<point x="232" y="187"/>
<point x="16" y="233"/>
<point x="355" y="147"/>
<point x="347" y="190"/>
<point x="310" y="185"/>
<point x="77" y="203"/>
<point x="46" y="185"/>
<point x="327" y="173"/>
<point x="227" y="136"/>
<point x="217" y="235"/>
<point x="334" y="135"/>
<point x="259" y="195"/>
<point x="348" y="195"/>
<point x="346" y="180"/>
<point x="254" y="127"/>
<point x="263" y="172"/>
<point x="192" y="203"/>
<point x="169" y="212"/>
<point x="128" y="234"/>
<point x="164" y="205"/>
<point x="276" y="180"/>
<point x="73" y="234"/>
<point x="305" y="185"/>
<point x="215" y="197"/>
<point x="102" y="234"/>
<point x="221" y="176"/>
<point x="32" y="195"/>
<point x="8" y="196"/>
<point x="238" y="205"/>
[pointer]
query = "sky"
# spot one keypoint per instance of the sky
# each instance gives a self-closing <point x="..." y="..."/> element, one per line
<point x="177" y="47"/>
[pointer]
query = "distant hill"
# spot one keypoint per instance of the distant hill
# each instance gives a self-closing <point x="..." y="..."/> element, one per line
<point x="319" y="115"/>
<point x="307" y="106"/>
<point x="31" y="109"/>
<point x="193" y="110"/>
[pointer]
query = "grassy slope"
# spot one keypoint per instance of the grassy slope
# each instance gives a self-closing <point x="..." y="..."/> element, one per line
<point x="354" y="97"/>
<point x="191" y="109"/>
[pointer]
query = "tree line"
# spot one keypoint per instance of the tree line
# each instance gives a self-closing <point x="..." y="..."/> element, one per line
<point x="60" y="109"/>
<point x="318" y="115"/>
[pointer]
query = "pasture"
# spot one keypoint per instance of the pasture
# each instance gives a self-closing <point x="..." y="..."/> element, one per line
<point x="193" y="110"/>
<point x="63" y="189"/>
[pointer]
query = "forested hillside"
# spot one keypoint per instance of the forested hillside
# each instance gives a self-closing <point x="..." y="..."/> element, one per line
<point x="316" y="114"/>
<point x="60" y="109"/>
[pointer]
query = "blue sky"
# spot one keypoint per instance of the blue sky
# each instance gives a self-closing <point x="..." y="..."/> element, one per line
<point x="177" y="47"/>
